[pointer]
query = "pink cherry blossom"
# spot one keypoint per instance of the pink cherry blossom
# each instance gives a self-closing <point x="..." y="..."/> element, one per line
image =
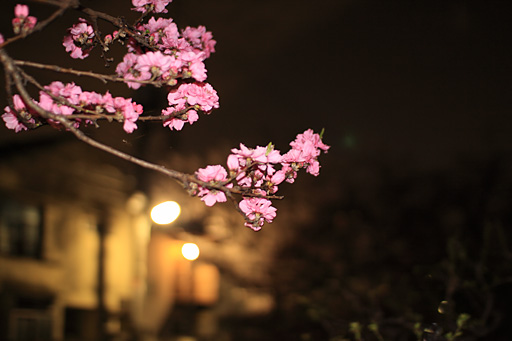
<point x="305" y="149"/>
<point x="212" y="174"/>
<point x="70" y="91"/>
<point x="177" y="122"/>
<point x="131" y="114"/>
<point x="10" y="118"/>
<point x="257" y="212"/>
<point x="177" y="98"/>
<point x="158" y="25"/>
<point x="198" y="70"/>
<point x="80" y="40"/>
<point x="157" y="6"/>
<point x="90" y="99"/>
<point x="126" y="69"/>
<point x="193" y="35"/>
<point x="208" y="43"/>
<point x="200" y="39"/>
<point x="11" y="121"/>
<point x="194" y="62"/>
<point x="265" y="157"/>
<point x="153" y="64"/>
<point x="309" y="137"/>
<point x="201" y="96"/>
<point x="170" y="37"/>
<point x="130" y="111"/>
<point x="272" y="181"/>
<point x="161" y="31"/>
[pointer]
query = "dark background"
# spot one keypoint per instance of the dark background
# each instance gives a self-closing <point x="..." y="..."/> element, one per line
<point x="412" y="206"/>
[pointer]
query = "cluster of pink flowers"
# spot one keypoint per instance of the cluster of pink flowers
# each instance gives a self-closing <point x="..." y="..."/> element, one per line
<point x="169" y="55"/>
<point x="178" y="55"/>
<point x="157" y="66"/>
<point x="257" y="212"/>
<point x="80" y="40"/>
<point x="164" y="34"/>
<point x="258" y="172"/>
<point x="159" y="53"/>
<point x="305" y="150"/>
<point x="186" y="100"/>
<point x="22" y="23"/>
<point x="119" y="108"/>
<point x="157" y="6"/>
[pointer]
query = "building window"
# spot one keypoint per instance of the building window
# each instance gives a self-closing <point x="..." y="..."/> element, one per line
<point x="30" y="325"/>
<point x="20" y="229"/>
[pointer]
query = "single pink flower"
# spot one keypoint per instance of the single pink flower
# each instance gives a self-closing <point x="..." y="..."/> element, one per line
<point x="11" y="121"/>
<point x="212" y="174"/>
<point x="204" y="95"/>
<point x="126" y="69"/>
<point x="158" y="25"/>
<point x="80" y="40"/>
<point x="313" y="168"/>
<point x="210" y="197"/>
<point x="198" y="70"/>
<point x="153" y="63"/>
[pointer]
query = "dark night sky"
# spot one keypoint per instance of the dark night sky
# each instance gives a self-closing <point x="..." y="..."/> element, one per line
<point x="421" y="82"/>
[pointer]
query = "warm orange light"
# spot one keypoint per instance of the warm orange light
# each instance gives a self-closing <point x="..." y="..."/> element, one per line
<point x="166" y="212"/>
<point x="190" y="251"/>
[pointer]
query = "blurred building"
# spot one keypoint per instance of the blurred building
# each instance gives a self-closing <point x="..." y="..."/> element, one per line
<point x="74" y="260"/>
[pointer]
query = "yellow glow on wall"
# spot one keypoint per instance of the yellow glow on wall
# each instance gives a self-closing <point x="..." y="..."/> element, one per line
<point x="166" y="212"/>
<point x="190" y="251"/>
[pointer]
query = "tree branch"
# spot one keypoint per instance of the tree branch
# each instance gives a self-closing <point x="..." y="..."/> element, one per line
<point x="104" y="78"/>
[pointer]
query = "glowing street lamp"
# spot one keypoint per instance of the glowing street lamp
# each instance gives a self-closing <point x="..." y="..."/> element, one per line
<point x="166" y="212"/>
<point x="190" y="251"/>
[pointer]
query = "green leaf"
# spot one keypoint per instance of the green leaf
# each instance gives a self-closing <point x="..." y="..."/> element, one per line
<point x="270" y="148"/>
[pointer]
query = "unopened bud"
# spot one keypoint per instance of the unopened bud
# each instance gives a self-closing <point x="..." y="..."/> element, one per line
<point x="108" y="39"/>
<point x="191" y="188"/>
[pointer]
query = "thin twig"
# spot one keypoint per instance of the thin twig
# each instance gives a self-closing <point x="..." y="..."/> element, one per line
<point x="101" y="77"/>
